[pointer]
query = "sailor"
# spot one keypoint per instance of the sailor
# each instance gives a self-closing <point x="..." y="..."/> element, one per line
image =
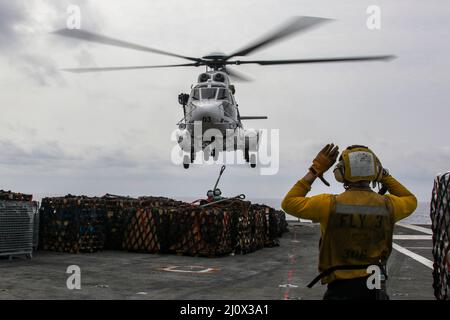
<point x="356" y="225"/>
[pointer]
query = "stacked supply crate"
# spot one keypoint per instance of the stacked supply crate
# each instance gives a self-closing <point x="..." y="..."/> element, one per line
<point x="72" y="224"/>
<point x="199" y="231"/>
<point x="143" y="232"/>
<point x="118" y="213"/>
<point x="156" y="225"/>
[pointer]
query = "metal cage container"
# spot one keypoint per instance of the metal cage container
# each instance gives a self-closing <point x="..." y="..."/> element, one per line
<point x="17" y="227"/>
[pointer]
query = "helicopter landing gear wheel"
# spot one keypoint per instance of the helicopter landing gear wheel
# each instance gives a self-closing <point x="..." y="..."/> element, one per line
<point x="186" y="161"/>
<point x="246" y="149"/>
<point x="253" y="160"/>
<point x="215" y="154"/>
<point x="192" y="155"/>
<point x="246" y="155"/>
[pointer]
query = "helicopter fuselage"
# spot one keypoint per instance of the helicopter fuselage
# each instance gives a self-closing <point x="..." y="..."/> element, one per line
<point x="212" y="120"/>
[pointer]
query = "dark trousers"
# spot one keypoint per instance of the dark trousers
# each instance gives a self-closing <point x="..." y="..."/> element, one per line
<point x="353" y="289"/>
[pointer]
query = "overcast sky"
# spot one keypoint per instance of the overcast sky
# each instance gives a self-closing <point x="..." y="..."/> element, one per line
<point x="110" y="132"/>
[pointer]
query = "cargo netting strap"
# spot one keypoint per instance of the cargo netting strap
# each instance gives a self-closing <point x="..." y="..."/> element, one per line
<point x="440" y="219"/>
<point x="142" y="232"/>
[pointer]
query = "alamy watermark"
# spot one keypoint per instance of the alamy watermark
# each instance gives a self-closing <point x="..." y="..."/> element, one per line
<point x="373" y="21"/>
<point x="73" y="20"/>
<point x="375" y="278"/>
<point x="236" y="147"/>
<point x="74" y="280"/>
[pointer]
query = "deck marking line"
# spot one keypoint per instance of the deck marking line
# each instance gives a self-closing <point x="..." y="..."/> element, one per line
<point x="288" y="285"/>
<point x="291" y="260"/>
<point x="191" y="269"/>
<point x="413" y="255"/>
<point x="417" y="228"/>
<point x="411" y="237"/>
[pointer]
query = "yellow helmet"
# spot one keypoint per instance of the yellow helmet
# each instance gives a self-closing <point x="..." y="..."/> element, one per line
<point x="358" y="163"/>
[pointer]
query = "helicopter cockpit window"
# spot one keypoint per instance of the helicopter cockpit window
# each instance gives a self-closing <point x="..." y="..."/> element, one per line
<point x="195" y="94"/>
<point x="209" y="93"/>
<point x="223" y="95"/>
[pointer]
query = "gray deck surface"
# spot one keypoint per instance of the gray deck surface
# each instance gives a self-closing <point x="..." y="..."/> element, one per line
<point x="272" y="273"/>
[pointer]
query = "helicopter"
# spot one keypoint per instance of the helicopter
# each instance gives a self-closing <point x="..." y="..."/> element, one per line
<point x="211" y="119"/>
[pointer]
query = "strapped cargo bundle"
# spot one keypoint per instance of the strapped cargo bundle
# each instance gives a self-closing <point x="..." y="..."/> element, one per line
<point x="440" y="221"/>
<point x="118" y="212"/>
<point x="142" y="233"/>
<point x="199" y="232"/>
<point x="146" y="228"/>
<point x="268" y="221"/>
<point x="157" y="225"/>
<point x="72" y="224"/>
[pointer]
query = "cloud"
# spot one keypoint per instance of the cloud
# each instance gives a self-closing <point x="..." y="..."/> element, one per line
<point x="97" y="132"/>
<point x="24" y="36"/>
<point x="12" y="13"/>
<point x="18" y="43"/>
<point x="51" y="156"/>
<point x="47" y="154"/>
<point x="42" y="69"/>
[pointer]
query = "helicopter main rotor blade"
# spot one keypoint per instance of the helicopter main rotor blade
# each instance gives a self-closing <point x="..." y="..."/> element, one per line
<point x="294" y="25"/>
<point x="319" y="60"/>
<point x="86" y="70"/>
<point x="237" y="76"/>
<point x="97" y="38"/>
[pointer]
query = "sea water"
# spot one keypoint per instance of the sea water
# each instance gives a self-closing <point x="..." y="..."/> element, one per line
<point x="420" y="216"/>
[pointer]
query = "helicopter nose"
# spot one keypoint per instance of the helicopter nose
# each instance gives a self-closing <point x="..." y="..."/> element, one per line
<point x="208" y="112"/>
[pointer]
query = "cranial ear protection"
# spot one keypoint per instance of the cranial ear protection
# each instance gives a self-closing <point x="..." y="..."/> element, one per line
<point x="358" y="163"/>
<point x="339" y="171"/>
